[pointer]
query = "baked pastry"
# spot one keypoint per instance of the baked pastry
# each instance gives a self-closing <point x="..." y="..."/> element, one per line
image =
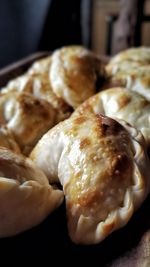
<point x="27" y="117"/>
<point x="38" y="76"/>
<point x="130" y="69"/>
<point x="123" y="66"/>
<point x="103" y="168"/>
<point x="65" y="79"/>
<point x="134" y="79"/>
<point x="40" y="66"/>
<point x="129" y="58"/>
<point x="122" y="104"/>
<point x="7" y="140"/>
<point x="74" y="73"/>
<point x="25" y="194"/>
<point x="37" y="83"/>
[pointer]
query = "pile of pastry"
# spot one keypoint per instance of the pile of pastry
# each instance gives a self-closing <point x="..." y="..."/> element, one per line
<point x="75" y="121"/>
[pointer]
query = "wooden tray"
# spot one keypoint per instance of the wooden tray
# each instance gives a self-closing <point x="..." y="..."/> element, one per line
<point x="49" y="242"/>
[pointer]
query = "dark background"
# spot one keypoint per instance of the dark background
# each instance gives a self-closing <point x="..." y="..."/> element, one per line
<point x="27" y="26"/>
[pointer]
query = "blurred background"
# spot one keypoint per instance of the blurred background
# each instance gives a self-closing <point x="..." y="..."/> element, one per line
<point x="105" y="26"/>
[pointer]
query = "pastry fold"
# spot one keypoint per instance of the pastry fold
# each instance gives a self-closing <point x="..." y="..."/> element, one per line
<point x="26" y="198"/>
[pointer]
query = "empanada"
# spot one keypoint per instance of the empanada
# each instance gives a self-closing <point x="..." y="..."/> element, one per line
<point x="37" y="83"/>
<point x="26" y="198"/>
<point x="134" y="79"/>
<point x="122" y="104"/>
<point x="130" y="57"/>
<point x="131" y="69"/>
<point x="103" y="168"/>
<point x="74" y="73"/>
<point x="26" y="116"/>
<point x="123" y="66"/>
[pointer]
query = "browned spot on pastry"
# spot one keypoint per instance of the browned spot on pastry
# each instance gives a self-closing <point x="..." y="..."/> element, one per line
<point x="86" y="106"/>
<point x="133" y="76"/>
<point x="120" y="164"/>
<point x="89" y="198"/>
<point x="32" y="105"/>
<point x="108" y="228"/>
<point x="124" y="100"/>
<point x="84" y="143"/>
<point x="108" y="126"/>
<point x="28" y="102"/>
<point x="88" y="63"/>
<point x="80" y="120"/>
<point x="146" y="81"/>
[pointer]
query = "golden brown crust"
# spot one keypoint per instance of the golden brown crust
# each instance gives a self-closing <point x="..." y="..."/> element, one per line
<point x="130" y="69"/>
<point x="136" y="54"/>
<point x="102" y="166"/>
<point x="131" y="58"/>
<point x="116" y="172"/>
<point x="27" y="117"/>
<point x="7" y="140"/>
<point x="37" y="83"/>
<point x="73" y="74"/>
<point x="137" y="80"/>
<point x="123" y="104"/>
